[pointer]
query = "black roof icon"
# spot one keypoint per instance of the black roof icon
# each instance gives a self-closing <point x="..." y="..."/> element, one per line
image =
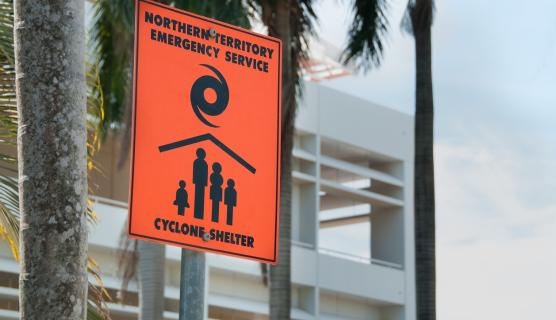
<point x="213" y="139"/>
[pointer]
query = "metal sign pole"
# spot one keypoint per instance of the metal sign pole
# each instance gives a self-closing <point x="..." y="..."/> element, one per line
<point x="192" y="285"/>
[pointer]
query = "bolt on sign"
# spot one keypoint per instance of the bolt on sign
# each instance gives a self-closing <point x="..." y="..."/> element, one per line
<point x="206" y="135"/>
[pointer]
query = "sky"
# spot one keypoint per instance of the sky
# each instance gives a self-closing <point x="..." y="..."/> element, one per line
<point x="494" y="79"/>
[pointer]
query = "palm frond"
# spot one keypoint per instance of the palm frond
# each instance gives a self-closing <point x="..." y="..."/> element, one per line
<point x="112" y="47"/>
<point x="230" y="11"/>
<point x="302" y="27"/>
<point x="95" y="116"/>
<point x="97" y="293"/>
<point x="96" y="303"/>
<point x="9" y="217"/>
<point x="128" y="259"/>
<point x="6" y="31"/>
<point x="366" y="34"/>
<point x="8" y="108"/>
<point x="9" y="198"/>
<point x="418" y="15"/>
<point x="92" y="311"/>
<point x="95" y="110"/>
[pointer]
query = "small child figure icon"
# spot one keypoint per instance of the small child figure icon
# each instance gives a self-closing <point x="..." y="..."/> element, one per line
<point x="230" y="200"/>
<point x="181" y="198"/>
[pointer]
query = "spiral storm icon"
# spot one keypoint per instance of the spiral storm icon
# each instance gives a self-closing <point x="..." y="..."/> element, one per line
<point x="199" y="103"/>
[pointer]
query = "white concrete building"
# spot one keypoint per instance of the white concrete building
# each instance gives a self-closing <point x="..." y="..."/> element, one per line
<point x="353" y="191"/>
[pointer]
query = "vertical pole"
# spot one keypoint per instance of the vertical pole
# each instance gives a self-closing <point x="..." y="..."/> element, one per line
<point x="192" y="285"/>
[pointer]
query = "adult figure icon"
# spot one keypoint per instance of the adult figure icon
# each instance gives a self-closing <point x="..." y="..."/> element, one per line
<point x="200" y="177"/>
<point x="216" y="182"/>
<point x="230" y="200"/>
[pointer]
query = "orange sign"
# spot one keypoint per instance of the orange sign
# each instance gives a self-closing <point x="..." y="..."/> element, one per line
<point x="206" y="135"/>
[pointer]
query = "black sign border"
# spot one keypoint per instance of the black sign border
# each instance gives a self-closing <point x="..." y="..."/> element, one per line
<point x="136" y="70"/>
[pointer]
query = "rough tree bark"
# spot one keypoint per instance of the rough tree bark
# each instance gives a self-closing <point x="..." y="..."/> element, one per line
<point x="279" y="22"/>
<point x="425" y="250"/>
<point x="51" y="100"/>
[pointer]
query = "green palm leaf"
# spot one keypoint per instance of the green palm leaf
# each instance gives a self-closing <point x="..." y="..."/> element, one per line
<point x="230" y="11"/>
<point x="366" y="33"/>
<point x="112" y="47"/>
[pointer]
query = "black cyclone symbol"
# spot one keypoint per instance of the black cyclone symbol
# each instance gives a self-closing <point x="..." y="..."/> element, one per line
<point x="200" y="105"/>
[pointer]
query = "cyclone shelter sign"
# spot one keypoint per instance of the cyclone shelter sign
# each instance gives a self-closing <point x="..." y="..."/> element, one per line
<point x="206" y="135"/>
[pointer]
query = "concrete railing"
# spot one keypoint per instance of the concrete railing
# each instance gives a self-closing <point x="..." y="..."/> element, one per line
<point x="361" y="259"/>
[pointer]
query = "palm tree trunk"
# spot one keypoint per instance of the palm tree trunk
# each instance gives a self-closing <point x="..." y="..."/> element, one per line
<point x="51" y="100"/>
<point x="150" y="275"/>
<point x="425" y="252"/>
<point x="280" y="26"/>
<point x="280" y="274"/>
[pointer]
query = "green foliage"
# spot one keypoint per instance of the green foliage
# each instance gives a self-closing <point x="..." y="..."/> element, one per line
<point x="370" y="26"/>
<point x="9" y="198"/>
<point x="304" y="19"/>
<point x="366" y="33"/>
<point x="8" y="109"/>
<point x="229" y="11"/>
<point x="9" y="216"/>
<point x="300" y="29"/>
<point x="111" y="40"/>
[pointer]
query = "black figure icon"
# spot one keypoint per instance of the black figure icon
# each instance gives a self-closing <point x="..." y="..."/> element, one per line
<point x="200" y="177"/>
<point x="216" y="182"/>
<point x="230" y="200"/>
<point x="181" y="198"/>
